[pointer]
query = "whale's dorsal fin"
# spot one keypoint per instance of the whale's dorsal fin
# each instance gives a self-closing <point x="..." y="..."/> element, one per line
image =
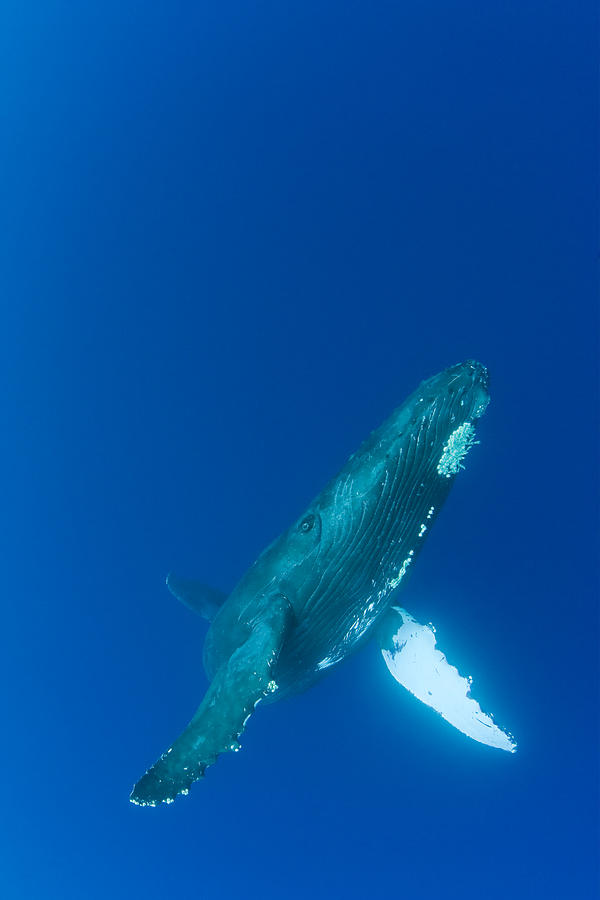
<point x="409" y="650"/>
<point x="205" y="601"/>
<point x="243" y="680"/>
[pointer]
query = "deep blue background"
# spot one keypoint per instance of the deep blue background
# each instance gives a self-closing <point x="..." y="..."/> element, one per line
<point x="233" y="237"/>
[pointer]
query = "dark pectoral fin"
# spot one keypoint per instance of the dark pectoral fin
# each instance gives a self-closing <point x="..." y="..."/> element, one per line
<point x="235" y="690"/>
<point x="206" y="601"/>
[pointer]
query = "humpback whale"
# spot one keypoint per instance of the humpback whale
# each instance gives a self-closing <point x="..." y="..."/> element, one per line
<point x="329" y="584"/>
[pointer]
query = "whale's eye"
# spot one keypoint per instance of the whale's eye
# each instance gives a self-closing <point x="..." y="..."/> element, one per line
<point x="306" y="524"/>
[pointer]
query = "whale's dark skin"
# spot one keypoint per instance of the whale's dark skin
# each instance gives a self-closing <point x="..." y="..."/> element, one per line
<point x="321" y="590"/>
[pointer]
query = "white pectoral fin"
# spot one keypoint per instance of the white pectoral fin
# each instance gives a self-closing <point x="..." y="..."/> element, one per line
<point x="409" y="650"/>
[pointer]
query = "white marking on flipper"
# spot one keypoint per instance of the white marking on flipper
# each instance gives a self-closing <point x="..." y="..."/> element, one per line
<point x="416" y="664"/>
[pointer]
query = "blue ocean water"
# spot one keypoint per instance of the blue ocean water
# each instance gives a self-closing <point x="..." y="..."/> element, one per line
<point x="234" y="237"/>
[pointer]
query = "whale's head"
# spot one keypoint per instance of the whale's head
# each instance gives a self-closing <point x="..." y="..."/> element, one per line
<point x="426" y="437"/>
<point x="374" y="516"/>
<point x="459" y="393"/>
<point x="344" y="554"/>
